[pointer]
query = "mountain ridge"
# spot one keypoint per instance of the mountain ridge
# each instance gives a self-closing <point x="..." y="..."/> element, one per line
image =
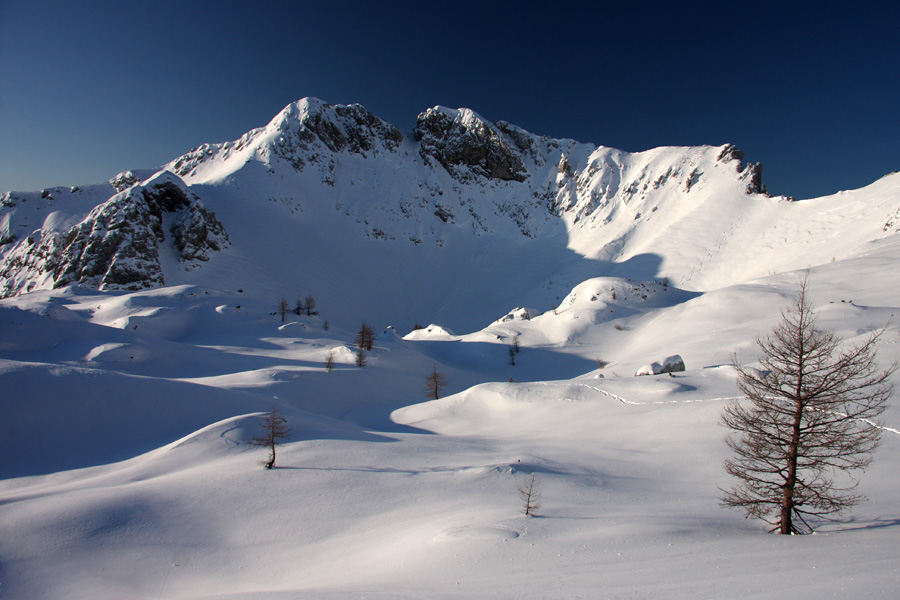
<point x="552" y="274"/>
<point x="457" y="192"/>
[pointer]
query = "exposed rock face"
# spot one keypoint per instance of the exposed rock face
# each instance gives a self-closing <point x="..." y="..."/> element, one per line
<point x="351" y="127"/>
<point x="309" y="123"/>
<point x="305" y="131"/>
<point x="466" y="144"/>
<point x="731" y="152"/>
<point x="117" y="245"/>
<point x="197" y="233"/>
<point x="752" y="173"/>
<point x="185" y="164"/>
<point x="123" y="181"/>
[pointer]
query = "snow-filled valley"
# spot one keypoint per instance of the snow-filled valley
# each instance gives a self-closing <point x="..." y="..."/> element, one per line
<point x="141" y="343"/>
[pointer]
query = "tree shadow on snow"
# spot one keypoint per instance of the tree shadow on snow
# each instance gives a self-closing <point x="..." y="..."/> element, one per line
<point x="879" y="523"/>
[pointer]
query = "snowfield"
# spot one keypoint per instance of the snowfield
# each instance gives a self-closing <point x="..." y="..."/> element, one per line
<point x="126" y="416"/>
<point x="381" y="494"/>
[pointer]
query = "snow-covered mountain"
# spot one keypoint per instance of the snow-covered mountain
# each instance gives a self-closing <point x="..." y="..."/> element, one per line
<point x="141" y="340"/>
<point x="323" y="195"/>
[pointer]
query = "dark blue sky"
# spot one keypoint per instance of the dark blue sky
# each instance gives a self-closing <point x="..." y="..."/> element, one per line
<point x="89" y="89"/>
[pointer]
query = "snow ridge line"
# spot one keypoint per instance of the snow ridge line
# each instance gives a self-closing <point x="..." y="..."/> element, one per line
<point x="873" y="424"/>
<point x="632" y="402"/>
<point x="868" y="421"/>
<point x="696" y="400"/>
<point x="882" y="427"/>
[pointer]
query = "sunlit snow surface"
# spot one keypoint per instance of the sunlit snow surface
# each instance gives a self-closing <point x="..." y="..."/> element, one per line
<point x="125" y="417"/>
<point x="153" y="396"/>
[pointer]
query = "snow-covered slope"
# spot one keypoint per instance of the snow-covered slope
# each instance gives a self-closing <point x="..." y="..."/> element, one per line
<point x="140" y="343"/>
<point x="380" y="494"/>
<point x="320" y="199"/>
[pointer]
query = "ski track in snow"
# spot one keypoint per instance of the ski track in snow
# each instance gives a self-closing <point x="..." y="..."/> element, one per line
<point x="691" y="401"/>
<point x="632" y="402"/>
<point x="715" y="249"/>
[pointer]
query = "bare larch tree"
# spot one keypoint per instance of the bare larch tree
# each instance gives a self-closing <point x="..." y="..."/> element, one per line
<point x="365" y="337"/>
<point x="810" y="416"/>
<point x="310" y="306"/>
<point x="435" y="382"/>
<point x="361" y="359"/>
<point x="283" y="307"/>
<point x="530" y="496"/>
<point x="275" y="428"/>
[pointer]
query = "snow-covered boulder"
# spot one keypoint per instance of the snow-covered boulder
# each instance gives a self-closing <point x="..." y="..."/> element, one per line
<point x="672" y="364"/>
<point x="431" y="332"/>
<point x="651" y="369"/>
<point x="390" y="335"/>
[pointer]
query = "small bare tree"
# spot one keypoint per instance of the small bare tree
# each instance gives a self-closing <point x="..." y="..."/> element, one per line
<point x="435" y="383"/>
<point x="365" y="337"/>
<point x="329" y="361"/>
<point x="530" y="496"/>
<point x="310" y="306"/>
<point x="283" y="307"/>
<point x="810" y="413"/>
<point x="361" y="359"/>
<point x="275" y="428"/>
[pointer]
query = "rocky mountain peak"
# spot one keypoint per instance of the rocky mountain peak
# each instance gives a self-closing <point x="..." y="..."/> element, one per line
<point x="304" y="131"/>
<point x="751" y="173"/>
<point x="338" y="127"/>
<point x="468" y="145"/>
<point x="314" y="162"/>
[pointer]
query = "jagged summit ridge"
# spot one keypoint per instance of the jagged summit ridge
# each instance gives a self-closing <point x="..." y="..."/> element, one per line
<point x="318" y="165"/>
<point x="304" y="132"/>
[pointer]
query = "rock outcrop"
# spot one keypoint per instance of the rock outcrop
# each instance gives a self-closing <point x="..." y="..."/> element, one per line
<point x="117" y="245"/>
<point x="467" y="145"/>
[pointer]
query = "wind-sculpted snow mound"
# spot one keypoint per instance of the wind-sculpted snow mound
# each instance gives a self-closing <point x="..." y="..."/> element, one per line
<point x="156" y="393"/>
<point x="432" y="332"/>
<point x="121" y="416"/>
<point x="596" y="307"/>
